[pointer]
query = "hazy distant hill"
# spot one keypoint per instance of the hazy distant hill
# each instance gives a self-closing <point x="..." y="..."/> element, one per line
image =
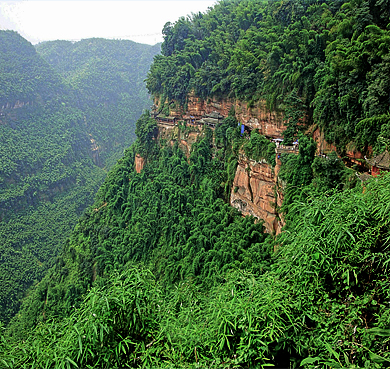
<point x="107" y="80"/>
<point x="24" y="76"/>
<point x="54" y="129"/>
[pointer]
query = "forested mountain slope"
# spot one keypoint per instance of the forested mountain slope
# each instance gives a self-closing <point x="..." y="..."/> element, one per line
<point x="48" y="156"/>
<point x="107" y="81"/>
<point x="24" y="77"/>
<point x="320" y="62"/>
<point x="46" y="173"/>
<point x="162" y="273"/>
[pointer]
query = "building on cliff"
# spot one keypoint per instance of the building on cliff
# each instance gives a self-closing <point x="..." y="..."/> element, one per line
<point x="379" y="163"/>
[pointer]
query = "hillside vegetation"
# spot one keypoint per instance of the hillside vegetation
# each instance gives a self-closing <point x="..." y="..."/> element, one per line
<point x="107" y="81"/>
<point x="160" y="272"/>
<point x="48" y="171"/>
<point x="329" y="59"/>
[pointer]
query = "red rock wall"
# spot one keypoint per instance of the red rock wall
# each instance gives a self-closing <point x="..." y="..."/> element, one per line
<point x="255" y="191"/>
<point x="186" y="142"/>
<point x="172" y="134"/>
<point x="139" y="163"/>
<point x="268" y="123"/>
<point x="322" y="145"/>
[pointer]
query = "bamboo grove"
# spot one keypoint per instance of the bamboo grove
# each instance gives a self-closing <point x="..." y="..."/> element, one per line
<point x="161" y="272"/>
<point x="327" y="59"/>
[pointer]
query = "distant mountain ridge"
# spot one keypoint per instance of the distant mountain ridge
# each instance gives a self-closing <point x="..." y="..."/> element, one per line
<point x="23" y="74"/>
<point x="55" y="135"/>
<point x="106" y="78"/>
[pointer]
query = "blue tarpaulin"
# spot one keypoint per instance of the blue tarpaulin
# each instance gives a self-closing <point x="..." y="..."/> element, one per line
<point x="242" y="129"/>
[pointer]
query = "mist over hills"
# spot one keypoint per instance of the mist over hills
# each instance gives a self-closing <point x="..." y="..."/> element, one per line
<point x="107" y="81"/>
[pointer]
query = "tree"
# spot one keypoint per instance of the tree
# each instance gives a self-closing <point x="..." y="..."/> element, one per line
<point x="295" y="113"/>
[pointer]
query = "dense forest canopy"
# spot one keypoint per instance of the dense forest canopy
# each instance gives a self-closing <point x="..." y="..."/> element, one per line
<point x="328" y="57"/>
<point x="161" y="272"/>
<point x="48" y="171"/>
<point x="46" y="174"/>
<point x="23" y="75"/>
<point x="106" y="78"/>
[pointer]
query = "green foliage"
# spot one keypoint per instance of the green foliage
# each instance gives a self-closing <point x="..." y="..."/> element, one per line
<point x="46" y="174"/>
<point x="335" y="257"/>
<point x="106" y="79"/>
<point x="226" y="132"/>
<point x="353" y="92"/>
<point x="248" y="49"/>
<point x="146" y="131"/>
<point x="330" y="173"/>
<point x="170" y="216"/>
<point x="306" y="175"/>
<point x="49" y="125"/>
<point x="258" y="148"/>
<point x="109" y="329"/>
<point x="24" y="78"/>
<point x="295" y="112"/>
<point x="322" y="302"/>
<point x="297" y="171"/>
<point x="31" y="239"/>
<point x="161" y="272"/>
<point x="324" y="62"/>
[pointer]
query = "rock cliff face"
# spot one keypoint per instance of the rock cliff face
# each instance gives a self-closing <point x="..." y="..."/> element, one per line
<point x="139" y="163"/>
<point x="256" y="189"/>
<point x="256" y="192"/>
<point x="173" y="133"/>
<point x="8" y="111"/>
<point x="258" y="116"/>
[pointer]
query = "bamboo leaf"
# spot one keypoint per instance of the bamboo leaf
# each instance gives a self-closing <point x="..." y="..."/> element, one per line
<point x="71" y="361"/>
<point x="332" y="351"/>
<point x="379" y="332"/>
<point x="309" y="360"/>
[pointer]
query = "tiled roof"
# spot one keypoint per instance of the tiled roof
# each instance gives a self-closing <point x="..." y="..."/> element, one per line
<point x="381" y="161"/>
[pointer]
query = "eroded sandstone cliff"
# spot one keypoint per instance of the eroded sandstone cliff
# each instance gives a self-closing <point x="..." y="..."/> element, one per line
<point x="139" y="163"/>
<point x="185" y="136"/>
<point x="258" y="116"/>
<point x="256" y="191"/>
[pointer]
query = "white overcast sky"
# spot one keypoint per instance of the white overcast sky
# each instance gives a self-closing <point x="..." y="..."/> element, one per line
<point x="140" y="21"/>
